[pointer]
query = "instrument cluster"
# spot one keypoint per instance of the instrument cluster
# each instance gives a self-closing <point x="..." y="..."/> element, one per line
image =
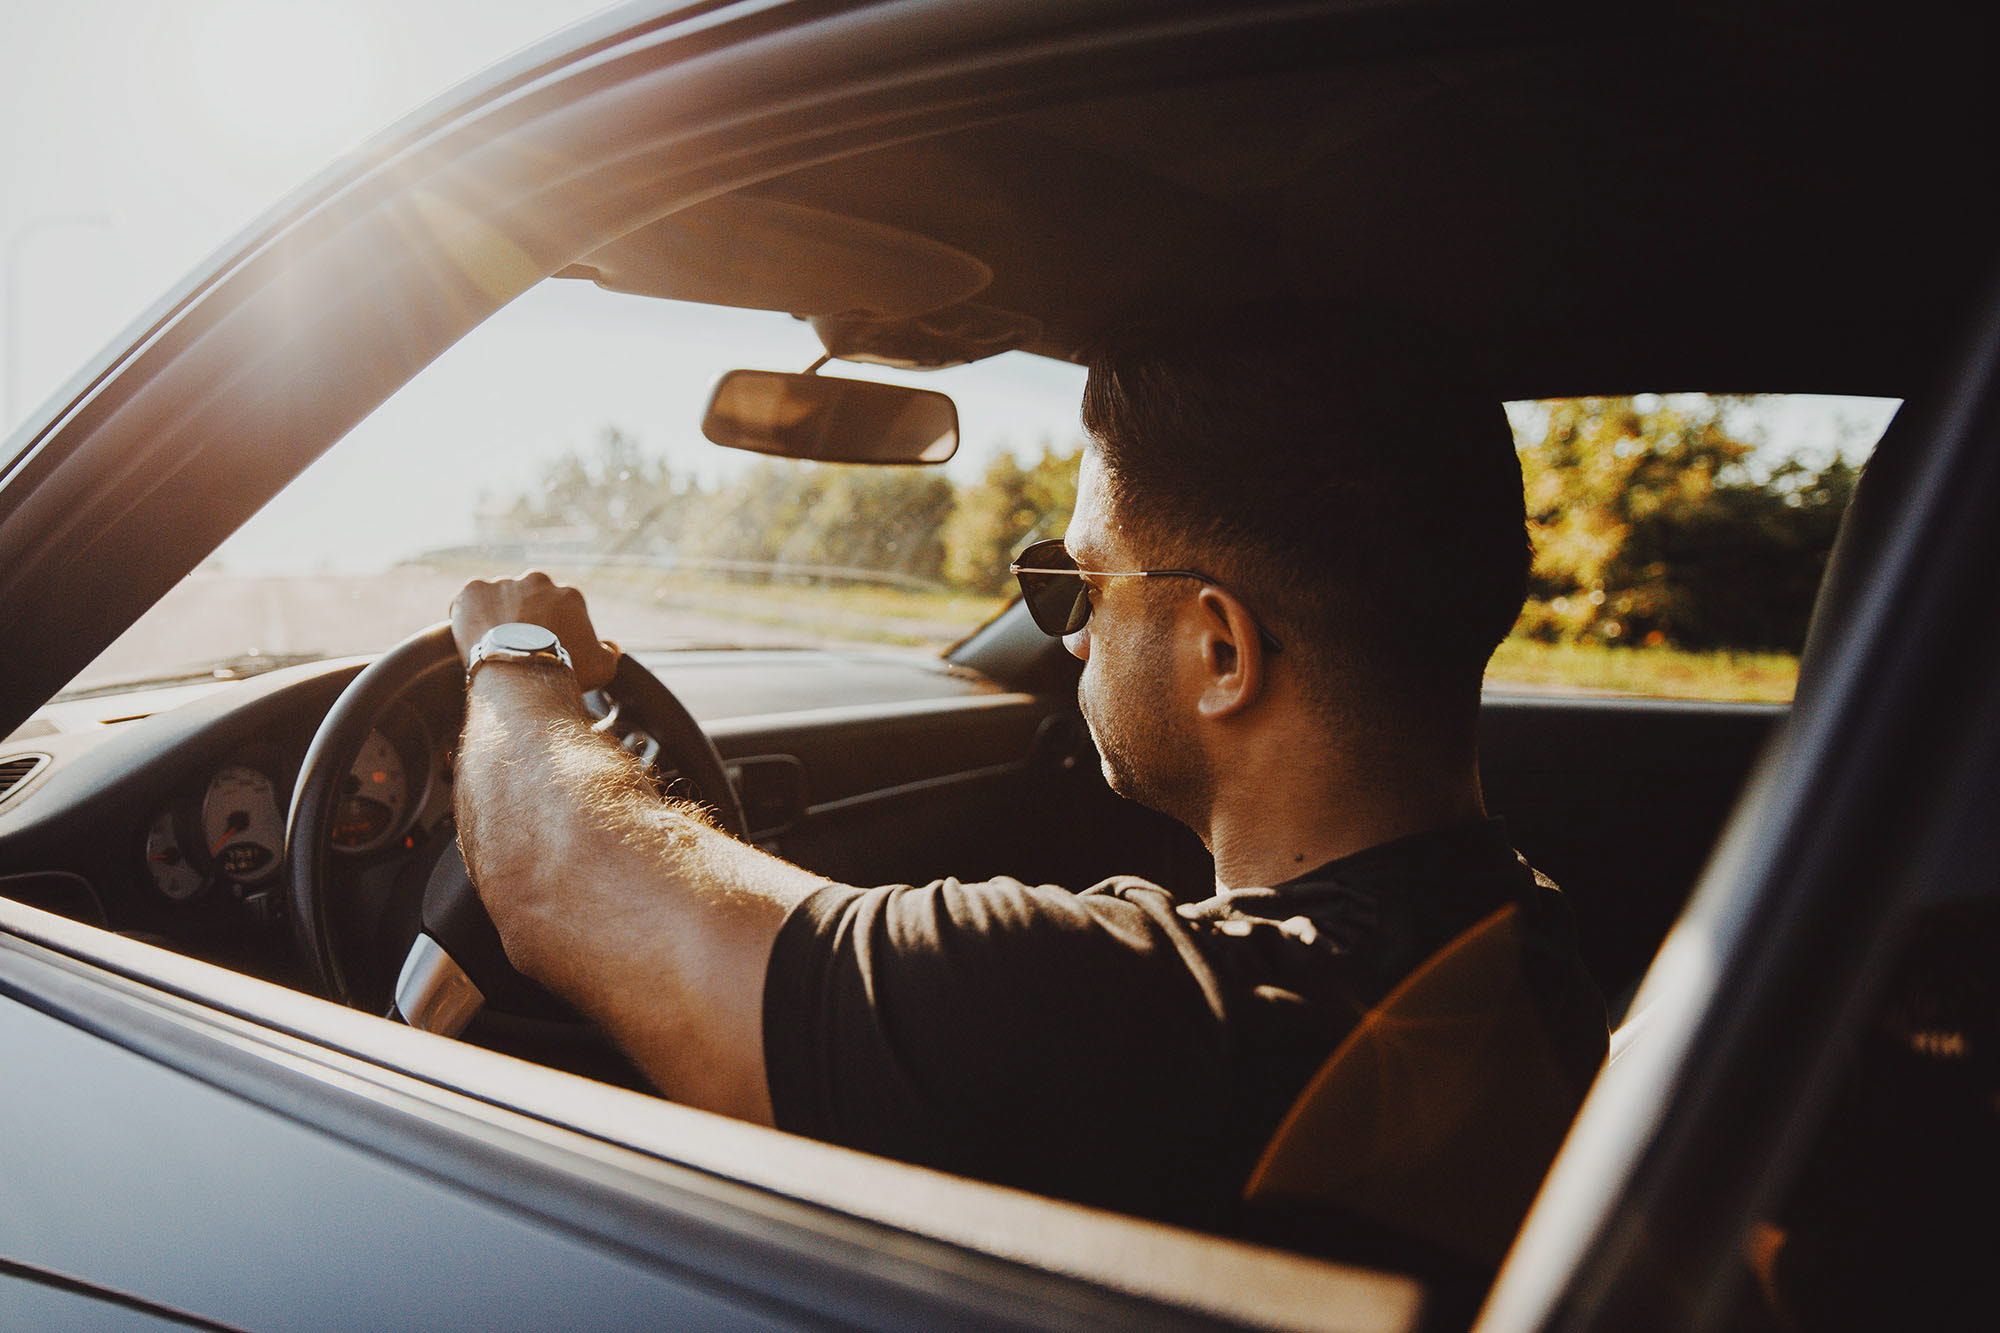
<point x="229" y="836"/>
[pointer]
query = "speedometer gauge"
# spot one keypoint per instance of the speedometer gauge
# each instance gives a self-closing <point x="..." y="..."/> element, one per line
<point x="240" y="821"/>
<point x="176" y="873"/>
<point x="374" y="797"/>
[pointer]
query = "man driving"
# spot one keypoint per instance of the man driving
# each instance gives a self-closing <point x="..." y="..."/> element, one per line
<point x="1287" y="568"/>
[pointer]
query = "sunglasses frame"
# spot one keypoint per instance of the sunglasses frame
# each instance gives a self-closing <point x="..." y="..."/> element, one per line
<point x="1037" y="550"/>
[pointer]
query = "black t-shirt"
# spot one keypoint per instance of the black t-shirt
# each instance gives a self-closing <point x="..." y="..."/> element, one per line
<point x="1109" y="1046"/>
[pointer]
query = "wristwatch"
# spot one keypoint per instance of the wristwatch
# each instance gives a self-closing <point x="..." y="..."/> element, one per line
<point x="517" y="641"/>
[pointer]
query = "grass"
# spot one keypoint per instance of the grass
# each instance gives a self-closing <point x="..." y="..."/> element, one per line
<point x="904" y="616"/>
<point x="1660" y="672"/>
<point x="955" y="613"/>
<point x="845" y="614"/>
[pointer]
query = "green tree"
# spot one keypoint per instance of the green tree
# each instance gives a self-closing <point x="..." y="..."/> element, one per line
<point x="616" y="494"/>
<point x="996" y="515"/>
<point x="749" y="517"/>
<point x="886" y="519"/>
<point x="910" y="522"/>
<point x="889" y="519"/>
<point x="1650" y="526"/>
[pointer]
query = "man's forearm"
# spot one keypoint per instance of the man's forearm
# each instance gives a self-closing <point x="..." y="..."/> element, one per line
<point x="635" y="909"/>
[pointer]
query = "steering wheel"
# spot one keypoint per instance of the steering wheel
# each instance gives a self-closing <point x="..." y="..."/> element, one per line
<point x="456" y="966"/>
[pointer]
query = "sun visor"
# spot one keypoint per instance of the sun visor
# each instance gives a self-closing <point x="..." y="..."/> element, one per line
<point x="764" y="254"/>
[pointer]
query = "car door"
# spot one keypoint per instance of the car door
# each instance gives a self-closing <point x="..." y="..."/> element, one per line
<point x="192" y="1144"/>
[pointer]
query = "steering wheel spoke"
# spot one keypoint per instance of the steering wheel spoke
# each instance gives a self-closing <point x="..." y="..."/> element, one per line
<point x="433" y="992"/>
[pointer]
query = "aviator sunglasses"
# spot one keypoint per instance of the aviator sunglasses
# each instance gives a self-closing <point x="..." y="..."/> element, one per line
<point x="1052" y="586"/>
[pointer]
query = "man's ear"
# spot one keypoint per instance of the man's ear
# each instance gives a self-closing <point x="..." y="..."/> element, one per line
<point x="1232" y="654"/>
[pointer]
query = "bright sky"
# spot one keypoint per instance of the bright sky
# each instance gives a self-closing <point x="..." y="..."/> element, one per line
<point x="137" y="136"/>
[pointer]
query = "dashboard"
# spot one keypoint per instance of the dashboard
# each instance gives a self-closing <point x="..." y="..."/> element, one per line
<point x="167" y="809"/>
<point x="162" y="815"/>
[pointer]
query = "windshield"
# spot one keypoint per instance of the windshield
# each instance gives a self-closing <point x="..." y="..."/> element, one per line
<point x="1678" y="537"/>
<point x="564" y="435"/>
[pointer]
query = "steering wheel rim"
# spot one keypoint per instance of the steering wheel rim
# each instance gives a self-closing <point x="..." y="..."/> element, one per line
<point x="684" y="746"/>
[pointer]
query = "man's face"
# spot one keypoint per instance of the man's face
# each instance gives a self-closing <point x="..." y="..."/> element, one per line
<point x="1131" y="691"/>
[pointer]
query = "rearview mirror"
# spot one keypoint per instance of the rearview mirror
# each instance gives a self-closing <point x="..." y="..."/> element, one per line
<point x="830" y="420"/>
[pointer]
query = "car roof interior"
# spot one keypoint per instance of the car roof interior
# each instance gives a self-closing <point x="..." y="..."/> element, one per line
<point x="1639" y="209"/>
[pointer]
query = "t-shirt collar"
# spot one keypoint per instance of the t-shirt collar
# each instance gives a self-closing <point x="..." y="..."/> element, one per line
<point x="1476" y="838"/>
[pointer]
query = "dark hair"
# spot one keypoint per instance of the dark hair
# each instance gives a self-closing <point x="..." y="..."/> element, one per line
<point x="1350" y="486"/>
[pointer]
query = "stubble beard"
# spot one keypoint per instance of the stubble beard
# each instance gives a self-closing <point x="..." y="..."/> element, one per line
<point x="1145" y="746"/>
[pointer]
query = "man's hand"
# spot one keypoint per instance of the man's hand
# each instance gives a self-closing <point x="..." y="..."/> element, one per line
<point x="534" y="599"/>
<point x="633" y="908"/>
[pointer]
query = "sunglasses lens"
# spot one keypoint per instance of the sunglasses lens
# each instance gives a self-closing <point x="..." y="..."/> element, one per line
<point x="1056" y="601"/>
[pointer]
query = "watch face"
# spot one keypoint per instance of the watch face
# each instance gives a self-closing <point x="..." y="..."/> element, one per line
<point x="524" y="638"/>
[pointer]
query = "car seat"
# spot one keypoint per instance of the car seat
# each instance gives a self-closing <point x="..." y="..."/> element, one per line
<point x="1421" y="1141"/>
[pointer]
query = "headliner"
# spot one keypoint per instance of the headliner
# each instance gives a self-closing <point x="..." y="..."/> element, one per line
<point x="1650" y="206"/>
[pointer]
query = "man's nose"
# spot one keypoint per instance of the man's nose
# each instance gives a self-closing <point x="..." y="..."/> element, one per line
<point x="1079" y="644"/>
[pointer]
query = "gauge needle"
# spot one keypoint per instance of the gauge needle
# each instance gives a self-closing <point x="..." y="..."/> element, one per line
<point x="238" y="821"/>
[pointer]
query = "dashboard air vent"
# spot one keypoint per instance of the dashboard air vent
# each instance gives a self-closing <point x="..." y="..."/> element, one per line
<point x="16" y="769"/>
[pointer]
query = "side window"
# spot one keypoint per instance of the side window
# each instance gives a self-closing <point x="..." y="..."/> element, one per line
<point x="1679" y="538"/>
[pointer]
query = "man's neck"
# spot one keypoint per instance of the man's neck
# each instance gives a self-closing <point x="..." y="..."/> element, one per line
<point x="1268" y="830"/>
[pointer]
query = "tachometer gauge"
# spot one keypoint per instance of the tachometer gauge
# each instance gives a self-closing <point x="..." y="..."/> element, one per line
<point x="177" y="872"/>
<point x="240" y="820"/>
<point x="374" y="797"/>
